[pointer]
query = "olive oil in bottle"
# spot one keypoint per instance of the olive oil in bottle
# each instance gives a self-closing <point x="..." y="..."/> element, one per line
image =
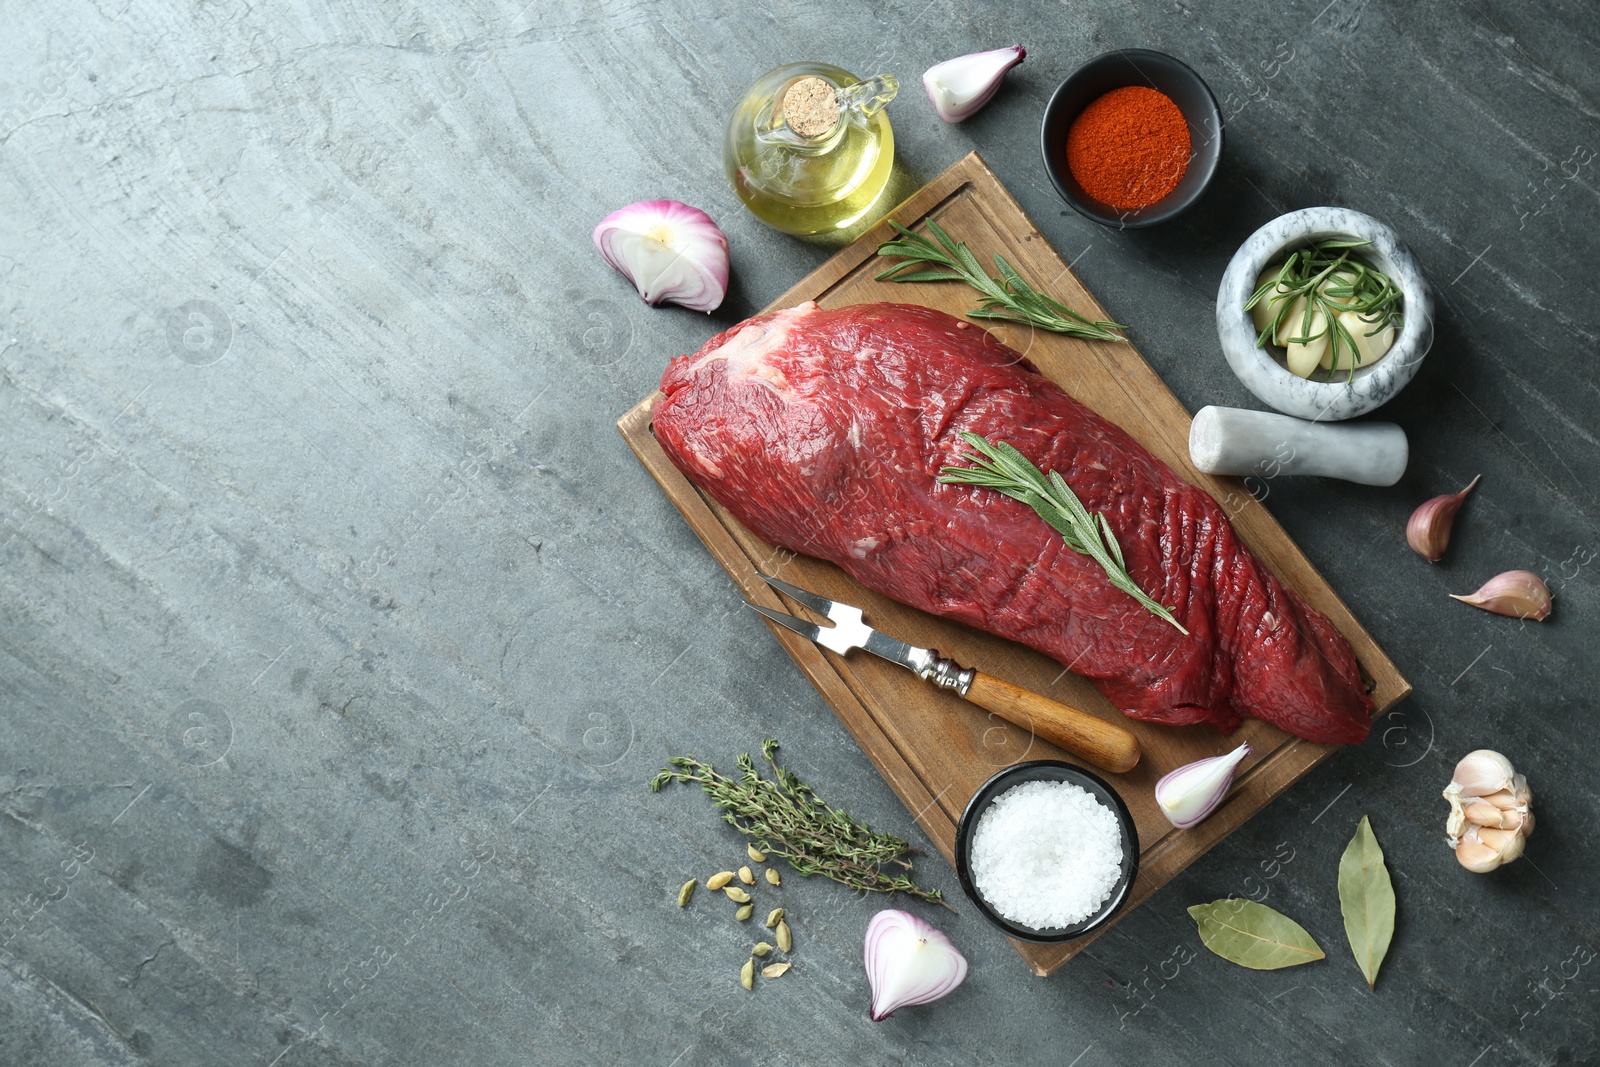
<point x="809" y="149"/>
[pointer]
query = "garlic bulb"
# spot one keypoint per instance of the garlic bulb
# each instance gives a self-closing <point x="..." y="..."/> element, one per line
<point x="1491" y="811"/>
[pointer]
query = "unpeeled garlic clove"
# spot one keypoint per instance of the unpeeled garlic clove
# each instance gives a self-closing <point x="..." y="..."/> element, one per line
<point x="1483" y="772"/>
<point x="1428" y="531"/>
<point x="1482" y="813"/>
<point x="1519" y="594"/>
<point x="1476" y="855"/>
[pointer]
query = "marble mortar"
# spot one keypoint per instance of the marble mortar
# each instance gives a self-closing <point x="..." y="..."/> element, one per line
<point x="1271" y="381"/>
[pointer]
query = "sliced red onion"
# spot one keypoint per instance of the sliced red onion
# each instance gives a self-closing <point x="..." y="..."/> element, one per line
<point x="669" y="251"/>
<point x="909" y="962"/>
<point x="1193" y="791"/>
<point x="960" y="87"/>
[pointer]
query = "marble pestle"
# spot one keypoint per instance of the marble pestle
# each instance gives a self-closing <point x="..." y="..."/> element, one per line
<point x="1264" y="444"/>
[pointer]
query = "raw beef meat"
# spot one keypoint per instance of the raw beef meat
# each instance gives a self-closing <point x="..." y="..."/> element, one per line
<point x="824" y="431"/>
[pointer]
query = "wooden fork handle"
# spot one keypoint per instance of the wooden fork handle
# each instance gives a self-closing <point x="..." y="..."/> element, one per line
<point x="1104" y="744"/>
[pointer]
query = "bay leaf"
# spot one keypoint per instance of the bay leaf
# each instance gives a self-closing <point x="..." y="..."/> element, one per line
<point x="1366" y="896"/>
<point x="1254" y="935"/>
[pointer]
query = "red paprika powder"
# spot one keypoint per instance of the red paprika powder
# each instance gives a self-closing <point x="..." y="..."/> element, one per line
<point x="1129" y="148"/>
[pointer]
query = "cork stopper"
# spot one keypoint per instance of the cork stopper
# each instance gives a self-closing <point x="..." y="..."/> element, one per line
<point x="810" y="107"/>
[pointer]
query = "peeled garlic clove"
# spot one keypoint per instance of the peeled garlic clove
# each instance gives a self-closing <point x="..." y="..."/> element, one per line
<point x="1519" y="594"/>
<point x="1483" y="772"/>
<point x="1428" y="530"/>
<point x="1305" y="354"/>
<point x="1289" y="326"/>
<point x="1371" y="340"/>
<point x="1267" y="307"/>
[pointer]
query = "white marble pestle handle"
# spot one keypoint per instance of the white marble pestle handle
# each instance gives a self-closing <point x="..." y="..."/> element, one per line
<point x="1260" y="443"/>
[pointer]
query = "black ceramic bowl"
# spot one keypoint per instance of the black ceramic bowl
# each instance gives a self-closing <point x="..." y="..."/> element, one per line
<point x="1113" y="70"/>
<point x="1047" y="770"/>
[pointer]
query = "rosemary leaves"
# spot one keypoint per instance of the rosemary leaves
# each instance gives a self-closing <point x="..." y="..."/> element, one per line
<point x="1328" y="307"/>
<point x="1000" y="467"/>
<point x="786" y="818"/>
<point x="1010" y="298"/>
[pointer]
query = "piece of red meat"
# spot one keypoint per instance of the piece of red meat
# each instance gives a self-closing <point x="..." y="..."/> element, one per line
<point x="824" y="431"/>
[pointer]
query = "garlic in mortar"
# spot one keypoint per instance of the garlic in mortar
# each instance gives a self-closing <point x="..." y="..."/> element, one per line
<point x="1491" y="811"/>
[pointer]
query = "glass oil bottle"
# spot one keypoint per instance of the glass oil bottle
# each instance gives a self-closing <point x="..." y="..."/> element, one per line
<point x="809" y="149"/>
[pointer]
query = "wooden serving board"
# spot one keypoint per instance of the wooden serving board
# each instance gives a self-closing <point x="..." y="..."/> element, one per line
<point x="934" y="748"/>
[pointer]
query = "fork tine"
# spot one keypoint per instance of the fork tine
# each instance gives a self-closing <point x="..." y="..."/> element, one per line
<point x="819" y="604"/>
<point x="808" y="630"/>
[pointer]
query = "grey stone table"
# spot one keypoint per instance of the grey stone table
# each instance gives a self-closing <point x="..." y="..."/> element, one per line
<point x="341" y="633"/>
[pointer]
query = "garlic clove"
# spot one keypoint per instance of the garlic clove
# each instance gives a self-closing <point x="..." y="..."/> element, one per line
<point x="1476" y="856"/>
<point x="1511" y="845"/>
<point x="1267" y="307"/>
<point x="1505" y="798"/>
<point x="1368" y="348"/>
<point x="1289" y="325"/>
<point x="1303" y="355"/>
<point x="1520" y="789"/>
<point x="1483" y="772"/>
<point x="1428" y="529"/>
<point x="1527" y="824"/>
<point x="1519" y="594"/>
<point x="1480" y="812"/>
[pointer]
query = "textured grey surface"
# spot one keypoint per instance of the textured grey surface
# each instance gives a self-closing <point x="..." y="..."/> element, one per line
<point x="341" y="631"/>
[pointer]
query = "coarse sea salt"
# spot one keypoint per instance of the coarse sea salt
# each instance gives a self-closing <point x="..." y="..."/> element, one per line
<point x="1046" y="854"/>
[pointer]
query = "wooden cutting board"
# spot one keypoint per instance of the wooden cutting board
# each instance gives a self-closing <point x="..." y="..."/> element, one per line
<point x="934" y="748"/>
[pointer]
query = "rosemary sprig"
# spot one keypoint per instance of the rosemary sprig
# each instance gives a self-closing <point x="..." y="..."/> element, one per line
<point x="1368" y="292"/>
<point x="785" y="818"/>
<point x="1008" y="298"/>
<point x="1002" y="468"/>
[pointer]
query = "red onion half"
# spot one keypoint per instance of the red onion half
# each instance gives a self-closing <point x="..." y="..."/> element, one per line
<point x="671" y="252"/>
<point x="909" y="962"/>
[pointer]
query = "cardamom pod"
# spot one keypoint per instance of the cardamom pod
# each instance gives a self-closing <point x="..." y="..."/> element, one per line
<point x="773" y="877"/>
<point x="755" y="854"/>
<point x="774" y="970"/>
<point x="743" y="913"/>
<point x="774" y="917"/>
<point x="718" y="880"/>
<point x="747" y="973"/>
<point x="761" y="949"/>
<point x="785" y="937"/>
<point x="746" y="877"/>
<point x="686" y="892"/>
<point x="735" y="894"/>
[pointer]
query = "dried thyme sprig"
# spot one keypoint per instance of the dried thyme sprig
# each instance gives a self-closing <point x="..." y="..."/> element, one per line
<point x="785" y="818"/>
<point x="1002" y="468"/>
<point x="1010" y="299"/>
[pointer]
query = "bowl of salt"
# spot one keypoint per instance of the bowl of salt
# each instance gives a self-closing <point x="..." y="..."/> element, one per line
<point x="1047" y="851"/>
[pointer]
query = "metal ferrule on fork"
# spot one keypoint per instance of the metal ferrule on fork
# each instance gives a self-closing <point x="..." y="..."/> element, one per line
<point x="945" y="673"/>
